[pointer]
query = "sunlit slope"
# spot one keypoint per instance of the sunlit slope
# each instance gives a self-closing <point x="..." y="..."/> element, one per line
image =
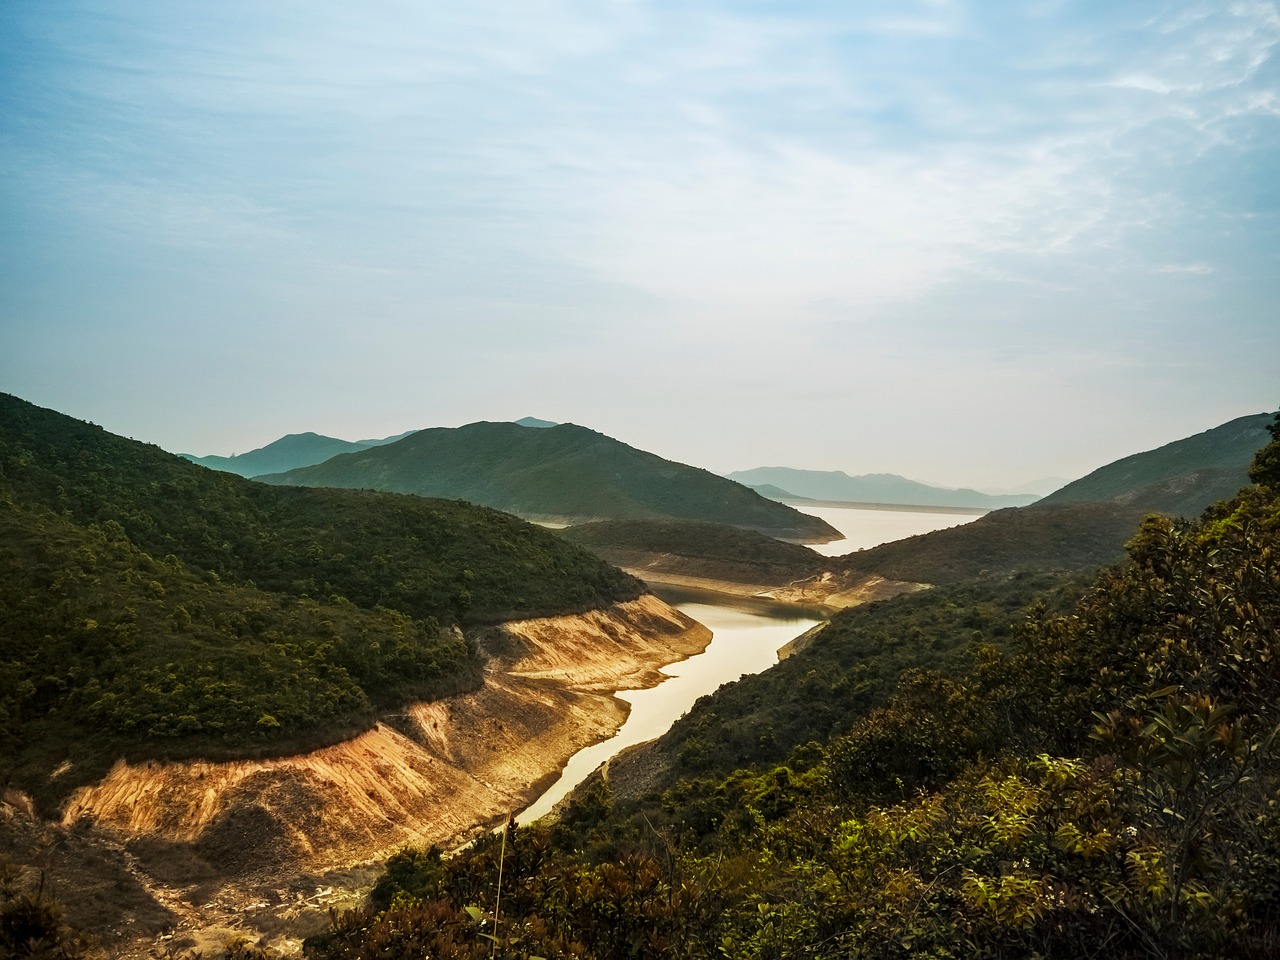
<point x="562" y="472"/>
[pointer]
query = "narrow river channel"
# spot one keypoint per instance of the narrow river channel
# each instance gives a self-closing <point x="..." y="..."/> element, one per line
<point x="745" y="640"/>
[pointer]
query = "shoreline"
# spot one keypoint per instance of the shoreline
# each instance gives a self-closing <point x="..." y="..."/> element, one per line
<point x="270" y="835"/>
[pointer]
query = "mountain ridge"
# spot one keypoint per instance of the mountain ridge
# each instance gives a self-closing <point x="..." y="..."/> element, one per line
<point x="563" y="473"/>
<point x="836" y="485"/>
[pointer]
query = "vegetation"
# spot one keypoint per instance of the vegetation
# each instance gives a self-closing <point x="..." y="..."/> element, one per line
<point x="687" y="547"/>
<point x="852" y="665"/>
<point x="1035" y="539"/>
<point x="562" y="471"/>
<point x="1103" y="780"/>
<point x="31" y="921"/>
<point x="166" y="608"/>
<point x="1180" y="478"/>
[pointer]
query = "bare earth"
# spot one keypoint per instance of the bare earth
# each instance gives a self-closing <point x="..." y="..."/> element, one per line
<point x="186" y="855"/>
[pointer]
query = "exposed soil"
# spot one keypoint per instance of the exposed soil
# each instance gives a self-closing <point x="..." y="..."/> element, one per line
<point x="194" y="853"/>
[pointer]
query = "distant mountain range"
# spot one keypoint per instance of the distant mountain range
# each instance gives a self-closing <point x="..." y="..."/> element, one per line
<point x="1082" y="526"/>
<point x="287" y="453"/>
<point x="788" y="483"/>
<point x="562" y="472"/>
<point x="296" y="450"/>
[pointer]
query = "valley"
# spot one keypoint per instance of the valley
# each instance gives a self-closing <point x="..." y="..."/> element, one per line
<point x="228" y="702"/>
<point x="223" y="849"/>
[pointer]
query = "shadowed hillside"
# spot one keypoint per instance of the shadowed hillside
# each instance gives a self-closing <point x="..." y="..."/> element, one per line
<point x="687" y="548"/>
<point x="1179" y="478"/>
<point x="185" y="611"/>
<point x="564" y="472"/>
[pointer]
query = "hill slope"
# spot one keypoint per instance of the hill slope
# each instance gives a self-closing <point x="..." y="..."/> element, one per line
<point x="1182" y="477"/>
<point x="870" y="488"/>
<point x="559" y="472"/>
<point x="189" y="611"/>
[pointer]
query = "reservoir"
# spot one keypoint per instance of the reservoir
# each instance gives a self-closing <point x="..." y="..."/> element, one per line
<point x="746" y="635"/>
<point x="745" y="640"/>
<point x="866" y="525"/>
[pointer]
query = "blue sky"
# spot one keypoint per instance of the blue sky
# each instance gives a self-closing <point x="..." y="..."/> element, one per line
<point x="975" y="243"/>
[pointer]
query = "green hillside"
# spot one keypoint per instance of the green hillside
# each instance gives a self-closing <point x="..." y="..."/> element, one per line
<point x="1035" y="539"/>
<point x="561" y="472"/>
<point x="1076" y="775"/>
<point x="176" y="609"/>
<point x="1180" y="478"/>
<point x="689" y="548"/>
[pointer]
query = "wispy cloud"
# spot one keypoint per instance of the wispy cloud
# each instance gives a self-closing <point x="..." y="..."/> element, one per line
<point x="574" y="173"/>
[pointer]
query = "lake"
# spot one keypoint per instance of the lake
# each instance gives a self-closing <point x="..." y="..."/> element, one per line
<point x="746" y="635"/>
<point x="869" y="526"/>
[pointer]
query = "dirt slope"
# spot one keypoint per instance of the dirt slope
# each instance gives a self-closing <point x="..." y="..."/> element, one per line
<point x="436" y="773"/>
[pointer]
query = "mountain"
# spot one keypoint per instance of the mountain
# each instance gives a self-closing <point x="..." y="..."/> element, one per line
<point x="170" y="609"/>
<point x="1019" y="767"/>
<point x="1182" y="477"/>
<point x="562" y="473"/>
<point x="690" y="553"/>
<point x="294" y="450"/>
<point x="535" y="422"/>
<point x="871" y="488"/>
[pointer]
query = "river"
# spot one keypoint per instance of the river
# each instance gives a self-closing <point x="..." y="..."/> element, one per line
<point x="746" y="635"/>
<point x="745" y="640"/>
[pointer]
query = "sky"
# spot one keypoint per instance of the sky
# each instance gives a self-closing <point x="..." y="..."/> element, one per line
<point x="974" y="243"/>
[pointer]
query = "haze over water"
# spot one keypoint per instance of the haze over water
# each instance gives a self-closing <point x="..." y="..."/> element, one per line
<point x="866" y="527"/>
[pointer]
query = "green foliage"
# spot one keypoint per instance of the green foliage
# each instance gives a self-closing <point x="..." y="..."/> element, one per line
<point x="686" y="547"/>
<point x="852" y="666"/>
<point x="560" y="471"/>
<point x="1180" y="478"/>
<point x="1103" y="777"/>
<point x="164" y="608"/>
<point x="1265" y="469"/>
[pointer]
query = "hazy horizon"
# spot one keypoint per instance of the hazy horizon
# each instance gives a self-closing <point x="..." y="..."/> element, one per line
<point x="971" y="243"/>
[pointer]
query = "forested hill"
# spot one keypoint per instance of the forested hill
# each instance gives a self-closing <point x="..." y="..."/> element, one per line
<point x="1048" y="779"/>
<point x="157" y="601"/>
<point x="1182" y="477"/>
<point x="562" y="472"/>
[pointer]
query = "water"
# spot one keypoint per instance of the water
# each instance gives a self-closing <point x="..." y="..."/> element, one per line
<point x="745" y="640"/>
<point x="746" y="636"/>
<point x="866" y="527"/>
